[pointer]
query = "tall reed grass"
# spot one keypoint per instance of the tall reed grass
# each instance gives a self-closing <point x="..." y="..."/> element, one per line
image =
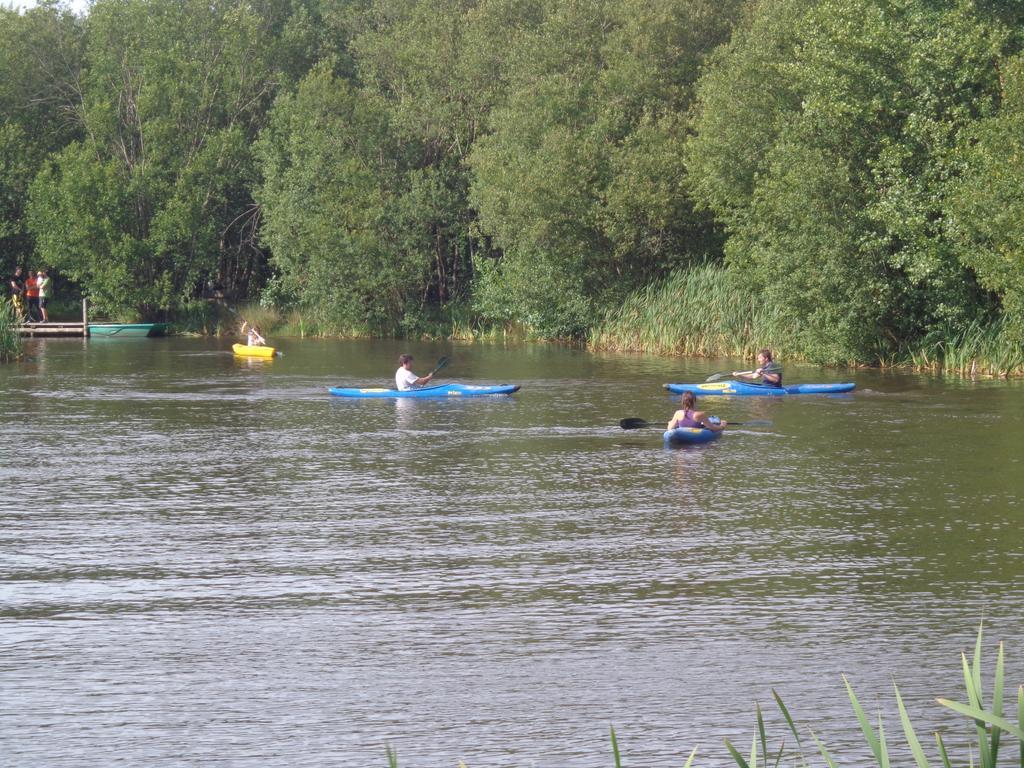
<point x="10" y="339"/>
<point x="978" y="350"/>
<point x="699" y="312"/>
<point x="702" y="312"/>
<point x="986" y="728"/>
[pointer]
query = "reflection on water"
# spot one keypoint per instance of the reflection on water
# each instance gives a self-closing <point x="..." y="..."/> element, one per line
<point x="207" y="559"/>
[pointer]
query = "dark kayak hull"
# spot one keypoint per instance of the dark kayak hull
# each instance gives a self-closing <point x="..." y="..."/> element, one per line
<point x="441" y="390"/>
<point x="743" y="388"/>
<point x="689" y="436"/>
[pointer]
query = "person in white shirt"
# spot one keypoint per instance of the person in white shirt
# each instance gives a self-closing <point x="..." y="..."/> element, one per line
<point x="405" y="378"/>
<point x="43" y="283"/>
<point x="253" y="337"/>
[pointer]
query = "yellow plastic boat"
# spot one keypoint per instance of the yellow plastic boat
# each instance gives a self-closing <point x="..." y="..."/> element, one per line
<point x="244" y="350"/>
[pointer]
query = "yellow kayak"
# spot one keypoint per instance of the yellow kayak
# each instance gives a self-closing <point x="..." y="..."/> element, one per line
<point x="244" y="350"/>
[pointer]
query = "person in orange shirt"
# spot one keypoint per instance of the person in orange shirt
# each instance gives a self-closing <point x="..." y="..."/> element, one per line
<point x="31" y="297"/>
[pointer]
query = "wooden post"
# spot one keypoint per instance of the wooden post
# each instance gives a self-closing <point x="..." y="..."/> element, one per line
<point x="85" y="318"/>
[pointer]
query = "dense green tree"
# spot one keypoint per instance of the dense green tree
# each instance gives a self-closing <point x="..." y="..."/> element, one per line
<point x="155" y="202"/>
<point x="382" y="152"/>
<point x="333" y="206"/>
<point x="41" y="59"/>
<point x="987" y="210"/>
<point x="825" y="143"/>
<point x="580" y="178"/>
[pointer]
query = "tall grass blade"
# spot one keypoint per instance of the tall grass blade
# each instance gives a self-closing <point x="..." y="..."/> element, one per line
<point x="908" y="730"/>
<point x="824" y="751"/>
<point x="865" y="726"/>
<point x="976" y="697"/>
<point x="392" y="756"/>
<point x="981" y="716"/>
<point x="973" y="687"/>
<point x="740" y="761"/>
<point x="997" y="703"/>
<point x="977" y="669"/>
<point x="761" y="733"/>
<point x="942" y="751"/>
<point x="1020" y="720"/>
<point x="615" y="748"/>
<point x="790" y="723"/>
<point x="882" y="746"/>
<point x="689" y="760"/>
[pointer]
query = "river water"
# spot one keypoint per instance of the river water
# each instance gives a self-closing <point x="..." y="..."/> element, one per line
<point x="206" y="560"/>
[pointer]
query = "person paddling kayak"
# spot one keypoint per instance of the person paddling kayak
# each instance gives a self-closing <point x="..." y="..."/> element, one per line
<point x="405" y="378"/>
<point x="687" y="417"/>
<point x="253" y="337"/>
<point x="769" y="372"/>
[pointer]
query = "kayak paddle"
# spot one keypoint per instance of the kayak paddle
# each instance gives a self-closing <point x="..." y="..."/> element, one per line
<point x="442" y="363"/>
<point x="717" y="376"/>
<point x="641" y="423"/>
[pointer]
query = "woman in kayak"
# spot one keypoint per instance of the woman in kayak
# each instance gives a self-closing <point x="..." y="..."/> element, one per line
<point x="405" y="378"/>
<point x="688" y="417"/>
<point x="769" y="372"/>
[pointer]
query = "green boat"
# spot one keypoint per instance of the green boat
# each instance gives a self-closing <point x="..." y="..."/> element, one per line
<point x="127" y="329"/>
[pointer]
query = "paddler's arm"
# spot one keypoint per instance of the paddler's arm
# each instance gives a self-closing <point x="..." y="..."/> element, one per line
<point x="713" y="423"/>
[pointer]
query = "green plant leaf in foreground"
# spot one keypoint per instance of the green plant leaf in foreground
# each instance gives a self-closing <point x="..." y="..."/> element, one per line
<point x="740" y="761"/>
<point x="985" y="716"/>
<point x="865" y="726"/>
<point x="789" y="722"/>
<point x="908" y="730"/>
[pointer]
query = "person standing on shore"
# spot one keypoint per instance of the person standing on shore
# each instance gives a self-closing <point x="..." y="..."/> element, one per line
<point x="17" y="285"/>
<point x="43" y="285"/>
<point x="31" y="297"/>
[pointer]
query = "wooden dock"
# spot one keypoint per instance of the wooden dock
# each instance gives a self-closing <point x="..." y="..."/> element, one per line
<point x="80" y="329"/>
<point x="54" y="329"/>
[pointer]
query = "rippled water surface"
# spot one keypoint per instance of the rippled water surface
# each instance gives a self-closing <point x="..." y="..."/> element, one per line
<point x="206" y="560"/>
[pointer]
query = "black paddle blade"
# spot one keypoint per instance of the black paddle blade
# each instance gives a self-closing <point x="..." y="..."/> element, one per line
<point x="634" y="423"/>
<point x="442" y="363"/>
<point x="717" y="376"/>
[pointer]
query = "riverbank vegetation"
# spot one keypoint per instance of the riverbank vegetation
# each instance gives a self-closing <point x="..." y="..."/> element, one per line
<point x="990" y="731"/>
<point x="838" y="179"/>
<point x="10" y="339"/>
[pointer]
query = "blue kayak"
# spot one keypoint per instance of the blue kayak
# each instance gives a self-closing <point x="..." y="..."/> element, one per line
<point x="687" y="435"/>
<point x="743" y="388"/>
<point x="440" y="390"/>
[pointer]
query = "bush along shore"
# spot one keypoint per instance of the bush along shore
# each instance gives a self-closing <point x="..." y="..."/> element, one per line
<point x="989" y="730"/>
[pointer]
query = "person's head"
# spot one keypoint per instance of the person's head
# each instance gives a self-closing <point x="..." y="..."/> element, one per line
<point x="404" y="360"/>
<point x="688" y="400"/>
<point x="17" y="271"/>
<point x="764" y="356"/>
<point x="41" y="272"/>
